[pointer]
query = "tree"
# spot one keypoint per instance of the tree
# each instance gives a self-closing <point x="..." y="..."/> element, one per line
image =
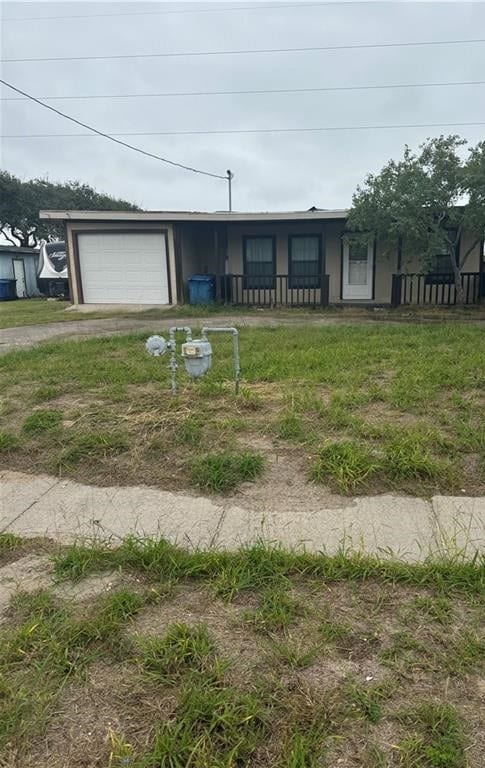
<point x="425" y="202"/>
<point x="21" y="201"/>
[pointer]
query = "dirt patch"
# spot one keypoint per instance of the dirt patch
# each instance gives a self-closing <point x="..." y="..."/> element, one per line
<point x="383" y="414"/>
<point x="88" y="588"/>
<point x="223" y="620"/>
<point x="348" y="623"/>
<point x="32" y="572"/>
<point x="113" y="702"/>
<point x="284" y="486"/>
<point x="27" y="573"/>
<point x="327" y="673"/>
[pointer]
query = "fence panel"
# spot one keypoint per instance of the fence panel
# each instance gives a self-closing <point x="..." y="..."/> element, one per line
<point x="437" y="289"/>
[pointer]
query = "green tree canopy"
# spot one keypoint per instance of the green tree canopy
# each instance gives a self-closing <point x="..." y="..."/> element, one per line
<point x="21" y="201"/>
<point x="425" y="202"/>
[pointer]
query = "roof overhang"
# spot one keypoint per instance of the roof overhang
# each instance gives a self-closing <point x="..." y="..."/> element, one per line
<point x="174" y="216"/>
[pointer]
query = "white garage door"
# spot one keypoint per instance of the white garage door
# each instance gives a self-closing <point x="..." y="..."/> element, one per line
<point x="123" y="268"/>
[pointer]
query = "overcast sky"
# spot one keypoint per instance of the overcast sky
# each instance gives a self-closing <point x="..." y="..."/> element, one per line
<point x="283" y="171"/>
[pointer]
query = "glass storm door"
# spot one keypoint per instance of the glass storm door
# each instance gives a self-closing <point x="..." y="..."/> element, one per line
<point x="358" y="266"/>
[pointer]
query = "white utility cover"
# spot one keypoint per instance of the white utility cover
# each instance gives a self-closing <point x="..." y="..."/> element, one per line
<point x="123" y="268"/>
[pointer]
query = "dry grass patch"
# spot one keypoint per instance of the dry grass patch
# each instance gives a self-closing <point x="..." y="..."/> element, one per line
<point x="363" y="408"/>
<point x="155" y="656"/>
<point x="113" y="707"/>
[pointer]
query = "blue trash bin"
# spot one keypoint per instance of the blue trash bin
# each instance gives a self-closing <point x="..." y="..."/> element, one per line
<point x="8" y="290"/>
<point x="202" y="289"/>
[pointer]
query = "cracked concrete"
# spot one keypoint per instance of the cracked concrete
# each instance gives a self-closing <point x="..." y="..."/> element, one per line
<point x="400" y="526"/>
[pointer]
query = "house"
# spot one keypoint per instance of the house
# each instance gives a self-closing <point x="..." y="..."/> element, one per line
<point x="20" y="264"/>
<point x="263" y="259"/>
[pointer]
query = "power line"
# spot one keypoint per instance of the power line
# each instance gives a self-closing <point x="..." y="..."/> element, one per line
<point x="111" y="138"/>
<point x="323" y="89"/>
<point x="237" y="131"/>
<point x="273" y="6"/>
<point x="310" y="49"/>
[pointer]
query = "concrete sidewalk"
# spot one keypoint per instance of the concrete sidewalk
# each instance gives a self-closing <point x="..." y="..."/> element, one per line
<point x="399" y="526"/>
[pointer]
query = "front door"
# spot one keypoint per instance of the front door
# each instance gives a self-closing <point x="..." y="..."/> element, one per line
<point x="357" y="267"/>
<point x="19" y="276"/>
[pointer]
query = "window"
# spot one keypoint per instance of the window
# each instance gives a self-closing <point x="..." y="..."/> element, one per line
<point x="304" y="261"/>
<point x="441" y="269"/>
<point x="259" y="262"/>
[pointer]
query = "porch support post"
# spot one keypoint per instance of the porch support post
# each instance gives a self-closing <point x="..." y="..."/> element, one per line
<point x="396" y="290"/>
<point x="325" y="291"/>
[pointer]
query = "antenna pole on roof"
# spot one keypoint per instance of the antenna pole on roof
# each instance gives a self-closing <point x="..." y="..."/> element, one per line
<point x="230" y="177"/>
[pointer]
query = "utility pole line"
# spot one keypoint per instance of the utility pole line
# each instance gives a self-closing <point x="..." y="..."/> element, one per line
<point x="230" y="177"/>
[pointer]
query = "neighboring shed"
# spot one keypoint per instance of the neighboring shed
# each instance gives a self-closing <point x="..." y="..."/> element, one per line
<point x="20" y="264"/>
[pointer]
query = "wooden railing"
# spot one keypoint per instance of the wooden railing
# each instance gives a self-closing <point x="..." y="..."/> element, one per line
<point x="273" y="290"/>
<point x="436" y="288"/>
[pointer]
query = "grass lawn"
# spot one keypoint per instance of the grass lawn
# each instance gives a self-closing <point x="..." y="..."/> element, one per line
<point x="147" y="656"/>
<point x="34" y="312"/>
<point x="361" y="408"/>
<point x="40" y="311"/>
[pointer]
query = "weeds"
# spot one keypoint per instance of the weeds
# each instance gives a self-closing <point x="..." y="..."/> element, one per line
<point x="465" y="653"/>
<point x="426" y="608"/>
<point x="347" y="464"/>
<point x="334" y="631"/>
<point x="291" y="427"/>
<point x="294" y="653"/>
<point x="9" y="542"/>
<point x="189" y="431"/>
<point x="277" y="610"/>
<point x="45" y="392"/>
<point x="213" y="725"/>
<point x="42" y="421"/>
<point x="45" y="646"/>
<point x="222" y="472"/>
<point x="357" y="391"/>
<point x="438" y="741"/>
<point x="90" y="447"/>
<point x="8" y="442"/>
<point x="183" y="648"/>
<point x="406" y="458"/>
<point x="263" y="566"/>
<point x="281" y="696"/>
<point x="368" y="699"/>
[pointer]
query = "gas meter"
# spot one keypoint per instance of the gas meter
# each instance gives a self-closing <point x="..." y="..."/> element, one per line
<point x="197" y="355"/>
<point x="156" y="346"/>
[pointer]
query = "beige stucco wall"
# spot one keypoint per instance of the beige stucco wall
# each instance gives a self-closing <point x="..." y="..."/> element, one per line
<point x="91" y="226"/>
<point x="472" y="263"/>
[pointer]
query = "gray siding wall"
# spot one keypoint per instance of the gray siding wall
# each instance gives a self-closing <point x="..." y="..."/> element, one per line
<point x="30" y="263"/>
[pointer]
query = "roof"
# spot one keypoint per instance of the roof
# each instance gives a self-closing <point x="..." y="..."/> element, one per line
<point x="215" y="216"/>
<point x="11" y="250"/>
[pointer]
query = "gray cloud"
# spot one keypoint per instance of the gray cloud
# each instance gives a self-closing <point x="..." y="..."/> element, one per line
<point x="273" y="171"/>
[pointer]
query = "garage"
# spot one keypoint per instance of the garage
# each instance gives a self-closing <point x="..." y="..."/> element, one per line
<point x="123" y="267"/>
